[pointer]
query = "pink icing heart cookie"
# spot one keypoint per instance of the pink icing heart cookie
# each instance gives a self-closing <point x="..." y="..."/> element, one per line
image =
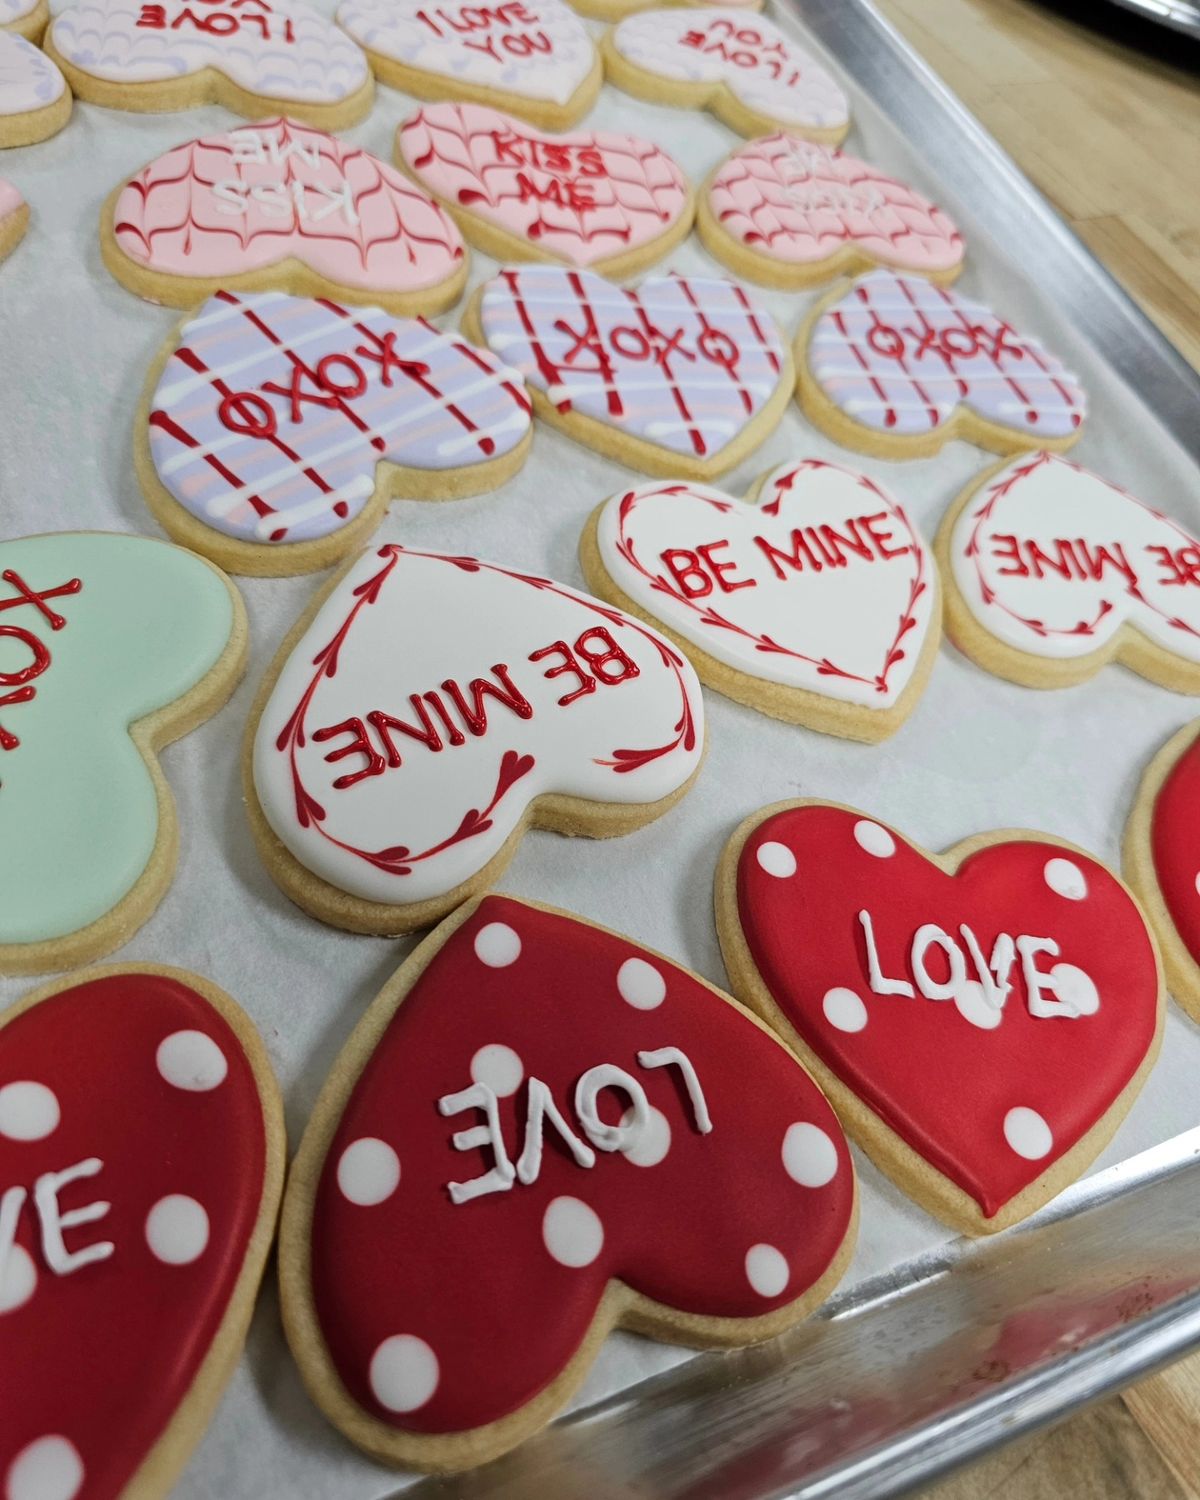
<point x="981" y="1019"/>
<point x="251" y="57"/>
<point x="141" y="1166"/>
<point x="897" y="366"/>
<point x="533" y="58"/>
<point x="275" y="430"/>
<point x="1052" y="571"/>
<point x="14" y="218"/>
<point x="742" y="67"/>
<point x="682" y="377"/>
<point x="35" y="102"/>
<point x="590" y="198"/>
<point x="814" y="600"/>
<point x="426" y="710"/>
<point x="789" y="212"/>
<point x="26" y="18"/>
<point x="492" y="1180"/>
<point x="279" y="205"/>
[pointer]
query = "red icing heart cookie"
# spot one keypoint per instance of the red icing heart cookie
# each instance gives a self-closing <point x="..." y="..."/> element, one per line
<point x="982" y="1019"/>
<point x="493" y="1179"/>
<point x="141" y="1163"/>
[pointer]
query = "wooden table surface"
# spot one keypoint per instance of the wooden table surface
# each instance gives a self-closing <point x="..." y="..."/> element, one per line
<point x="1110" y="133"/>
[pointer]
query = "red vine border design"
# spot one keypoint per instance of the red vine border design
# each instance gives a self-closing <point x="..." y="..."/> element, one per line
<point x="398" y="859"/>
<point x="988" y="595"/>
<point x="708" y="616"/>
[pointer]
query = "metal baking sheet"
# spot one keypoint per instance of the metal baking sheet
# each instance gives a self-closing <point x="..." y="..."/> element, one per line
<point x="932" y="1349"/>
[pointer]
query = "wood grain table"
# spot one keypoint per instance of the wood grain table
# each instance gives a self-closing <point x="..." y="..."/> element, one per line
<point x="1106" y="122"/>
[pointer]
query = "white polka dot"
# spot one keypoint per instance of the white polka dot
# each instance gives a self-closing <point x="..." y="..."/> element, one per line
<point x="776" y="859"/>
<point x="49" y="1469"/>
<point x="974" y="1006"/>
<point x="192" y="1061"/>
<point x="573" y="1234"/>
<point x="404" y="1372"/>
<point x="1027" y="1133"/>
<point x="641" y="984"/>
<point x="497" y="945"/>
<point x="177" y="1230"/>
<point x="844" y="1009"/>
<point x="766" y="1270"/>
<point x="28" y="1111"/>
<point x="809" y="1156"/>
<point x="1065" y="878"/>
<point x="499" y="1067"/>
<point x="654" y="1141"/>
<point x="368" y="1172"/>
<point x="874" y="839"/>
<point x="19" y="1280"/>
<point x="1075" y="988"/>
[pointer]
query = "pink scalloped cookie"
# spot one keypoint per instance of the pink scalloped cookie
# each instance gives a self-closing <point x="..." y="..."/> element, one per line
<point x="815" y="600"/>
<point x="428" y="709"/>
<point x="789" y="212"/>
<point x="589" y="198"/>
<point x="14" y="218"/>
<point x="981" y="1019"/>
<point x="512" y="1157"/>
<point x="35" y="102"/>
<point x="281" y="205"/>
<point x="141" y="1166"/>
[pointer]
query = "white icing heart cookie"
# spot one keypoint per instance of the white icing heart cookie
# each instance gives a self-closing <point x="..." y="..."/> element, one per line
<point x="815" y="600"/>
<point x="426" y="710"/>
<point x="742" y="67"/>
<point x="589" y="198"/>
<point x="789" y="212"/>
<point x="533" y="58"/>
<point x="1052" y="571"/>
<point x="35" y="102"/>
<point x="275" y="430"/>
<point x="174" y="54"/>
<point x="25" y="18"/>
<point x="14" y="218"/>
<point x="283" y="206"/>
<point x="682" y="377"/>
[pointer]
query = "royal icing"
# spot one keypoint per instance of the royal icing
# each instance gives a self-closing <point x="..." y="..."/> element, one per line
<point x="989" y="1018"/>
<point x="259" y="195"/>
<point x="582" y="197"/>
<point x="1175" y="848"/>
<point x="272" y="413"/>
<point x="28" y="79"/>
<point x="823" y="584"/>
<point x="799" y="203"/>
<point x="10" y="199"/>
<point x="512" y="1154"/>
<point x="899" y="355"/>
<point x="12" y="11"/>
<point x="763" y="69"/>
<point x="1053" y="560"/>
<point x="96" y="632"/>
<point x="538" y="49"/>
<point x="134" y="1166"/>
<point x="431" y="699"/>
<point x="683" y="362"/>
<point x="276" y="49"/>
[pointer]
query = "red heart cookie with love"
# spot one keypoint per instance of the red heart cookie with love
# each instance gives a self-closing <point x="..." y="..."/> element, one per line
<point x="427" y="709"/>
<point x="141" y="1165"/>
<point x="815" y="600"/>
<point x="981" y="1019"/>
<point x="589" y="198"/>
<point x="493" y="1179"/>
<point x="1053" y="571"/>
<point x="282" y="206"/>
<point x="681" y="378"/>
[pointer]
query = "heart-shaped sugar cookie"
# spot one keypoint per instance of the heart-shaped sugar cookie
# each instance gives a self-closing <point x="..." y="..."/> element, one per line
<point x="427" y="709"/>
<point x="141" y="1164"/>
<point x="981" y="1019"/>
<point x="589" y="198"/>
<point x="816" y="600"/>
<point x="14" y="218"/>
<point x="35" y="102"/>
<point x="541" y="1130"/>
<point x="26" y="18"/>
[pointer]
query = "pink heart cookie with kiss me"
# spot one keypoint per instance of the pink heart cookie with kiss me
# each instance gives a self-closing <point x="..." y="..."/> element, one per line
<point x="982" y="1019"/>
<point x="141" y="1164"/>
<point x="590" y="198"/>
<point x="494" y="1178"/>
